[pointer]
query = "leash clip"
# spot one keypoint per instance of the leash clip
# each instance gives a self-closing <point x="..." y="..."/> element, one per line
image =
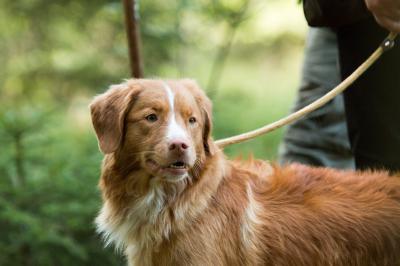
<point x="387" y="44"/>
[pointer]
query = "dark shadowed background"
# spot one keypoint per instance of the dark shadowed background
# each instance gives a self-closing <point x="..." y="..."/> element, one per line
<point x="56" y="55"/>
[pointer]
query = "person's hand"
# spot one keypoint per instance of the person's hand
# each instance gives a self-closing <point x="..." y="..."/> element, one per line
<point x="386" y="13"/>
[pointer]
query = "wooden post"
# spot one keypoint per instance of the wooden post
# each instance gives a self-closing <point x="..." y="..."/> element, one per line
<point x="133" y="36"/>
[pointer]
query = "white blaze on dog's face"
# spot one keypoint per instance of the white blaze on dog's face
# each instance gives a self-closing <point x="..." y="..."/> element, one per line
<point x="176" y="134"/>
<point x="166" y="125"/>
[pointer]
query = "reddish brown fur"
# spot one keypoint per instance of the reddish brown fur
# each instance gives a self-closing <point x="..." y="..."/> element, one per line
<point x="236" y="212"/>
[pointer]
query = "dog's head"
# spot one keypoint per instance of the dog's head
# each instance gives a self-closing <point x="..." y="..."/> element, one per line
<point x="161" y="126"/>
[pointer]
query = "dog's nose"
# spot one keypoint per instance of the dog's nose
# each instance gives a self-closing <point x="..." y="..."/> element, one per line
<point x="178" y="145"/>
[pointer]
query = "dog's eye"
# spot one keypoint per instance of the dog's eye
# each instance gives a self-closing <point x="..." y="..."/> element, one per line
<point x="192" y="120"/>
<point x="152" y="118"/>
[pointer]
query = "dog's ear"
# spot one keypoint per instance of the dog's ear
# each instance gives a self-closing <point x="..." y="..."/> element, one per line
<point x="206" y="107"/>
<point x="208" y="143"/>
<point x="108" y="112"/>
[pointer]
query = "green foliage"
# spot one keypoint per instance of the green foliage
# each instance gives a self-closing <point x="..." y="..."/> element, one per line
<point x="46" y="217"/>
<point x="56" y="55"/>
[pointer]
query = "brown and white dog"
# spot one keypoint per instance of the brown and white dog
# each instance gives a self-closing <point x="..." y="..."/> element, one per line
<point x="172" y="198"/>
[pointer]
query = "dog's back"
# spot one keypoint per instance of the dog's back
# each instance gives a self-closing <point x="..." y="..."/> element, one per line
<point x="316" y="216"/>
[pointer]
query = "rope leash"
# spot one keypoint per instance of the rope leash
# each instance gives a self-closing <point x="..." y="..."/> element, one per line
<point x="386" y="45"/>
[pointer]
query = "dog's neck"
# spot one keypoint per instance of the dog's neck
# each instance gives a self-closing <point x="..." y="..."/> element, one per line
<point x="150" y="209"/>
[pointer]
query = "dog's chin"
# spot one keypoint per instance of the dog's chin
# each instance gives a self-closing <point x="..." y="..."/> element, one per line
<point x="173" y="172"/>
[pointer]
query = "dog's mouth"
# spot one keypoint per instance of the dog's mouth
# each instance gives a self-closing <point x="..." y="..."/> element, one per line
<point x="177" y="165"/>
<point x="174" y="169"/>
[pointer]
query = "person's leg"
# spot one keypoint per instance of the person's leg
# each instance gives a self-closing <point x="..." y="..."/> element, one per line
<point x="373" y="102"/>
<point x="319" y="139"/>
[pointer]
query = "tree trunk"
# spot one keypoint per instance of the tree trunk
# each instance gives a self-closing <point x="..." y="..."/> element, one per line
<point x="131" y="8"/>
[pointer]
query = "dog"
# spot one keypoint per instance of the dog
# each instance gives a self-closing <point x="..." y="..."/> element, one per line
<point x="170" y="197"/>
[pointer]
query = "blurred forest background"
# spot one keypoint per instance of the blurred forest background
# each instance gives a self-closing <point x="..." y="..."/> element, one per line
<point x="56" y="55"/>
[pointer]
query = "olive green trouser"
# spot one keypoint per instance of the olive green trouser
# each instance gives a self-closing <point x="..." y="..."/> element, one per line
<point x="319" y="139"/>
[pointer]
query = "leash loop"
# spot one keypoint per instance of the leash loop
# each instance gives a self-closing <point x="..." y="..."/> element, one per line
<point x="388" y="43"/>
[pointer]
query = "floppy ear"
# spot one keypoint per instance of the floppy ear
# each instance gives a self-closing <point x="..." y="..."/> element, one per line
<point x="108" y="112"/>
<point x="206" y="107"/>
